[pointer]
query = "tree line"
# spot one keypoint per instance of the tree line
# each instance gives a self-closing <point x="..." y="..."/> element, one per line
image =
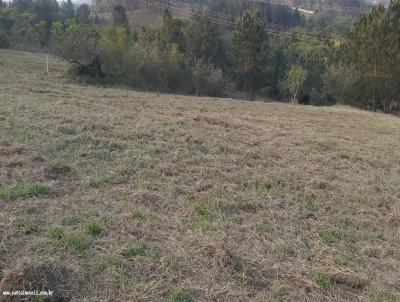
<point x="198" y="57"/>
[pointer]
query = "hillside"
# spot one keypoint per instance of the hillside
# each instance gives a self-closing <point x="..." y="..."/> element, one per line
<point x="110" y="194"/>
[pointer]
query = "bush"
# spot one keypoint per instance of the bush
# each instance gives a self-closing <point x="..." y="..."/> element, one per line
<point x="73" y="71"/>
<point x="4" y="39"/>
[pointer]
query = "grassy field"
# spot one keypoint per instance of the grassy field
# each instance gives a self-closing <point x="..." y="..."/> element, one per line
<point x="117" y="195"/>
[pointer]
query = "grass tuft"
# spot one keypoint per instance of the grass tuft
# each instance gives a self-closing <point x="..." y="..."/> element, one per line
<point x="99" y="181"/>
<point x="204" y="210"/>
<point x="24" y="189"/>
<point x="330" y="236"/>
<point x="76" y="243"/>
<point x="94" y="228"/>
<point x="180" y="295"/>
<point x="322" y="280"/>
<point x="261" y="186"/>
<point x="56" y="232"/>
<point x="30" y="227"/>
<point x="32" y="209"/>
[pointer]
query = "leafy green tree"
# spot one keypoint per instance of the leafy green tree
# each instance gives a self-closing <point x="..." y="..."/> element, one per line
<point x="78" y="44"/>
<point x="4" y="39"/>
<point x="22" y="33"/>
<point x="46" y="10"/>
<point x="171" y="32"/>
<point x="202" y="40"/>
<point x="116" y="44"/>
<point x="250" y="45"/>
<point x="42" y="33"/>
<point x="119" y="17"/>
<point x="22" y="6"/>
<point x="294" y="81"/>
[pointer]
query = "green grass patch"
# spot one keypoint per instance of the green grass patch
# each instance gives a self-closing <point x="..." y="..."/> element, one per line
<point x="29" y="227"/>
<point x="138" y="250"/>
<point x="56" y="232"/>
<point x="94" y="228"/>
<point x="141" y="214"/>
<point x="76" y="243"/>
<point x="204" y="210"/>
<point x="24" y="189"/>
<point x="180" y="295"/>
<point x="330" y="236"/>
<point x="322" y="280"/>
<point x="98" y="181"/>
<point x="261" y="186"/>
<point x="32" y="209"/>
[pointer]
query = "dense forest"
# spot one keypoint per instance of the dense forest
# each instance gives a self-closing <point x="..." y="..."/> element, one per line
<point x="199" y="56"/>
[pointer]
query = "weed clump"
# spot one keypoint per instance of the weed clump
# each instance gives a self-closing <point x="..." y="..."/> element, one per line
<point x="330" y="236"/>
<point x="24" y="189"/>
<point x="76" y="243"/>
<point x="322" y="280"/>
<point x="138" y="250"/>
<point x="180" y="295"/>
<point x="56" y="232"/>
<point x="94" y="228"/>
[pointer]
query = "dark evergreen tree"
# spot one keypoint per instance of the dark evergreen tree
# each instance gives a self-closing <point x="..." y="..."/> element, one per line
<point x="202" y="40"/>
<point x="83" y="14"/>
<point x="67" y="9"/>
<point x="171" y="32"/>
<point x="119" y="17"/>
<point x="250" y="45"/>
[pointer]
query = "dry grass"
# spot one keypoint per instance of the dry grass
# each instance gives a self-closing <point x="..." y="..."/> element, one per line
<point x="153" y="197"/>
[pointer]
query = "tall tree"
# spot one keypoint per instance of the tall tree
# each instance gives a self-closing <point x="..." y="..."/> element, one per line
<point x="119" y="17"/>
<point x="202" y="40"/>
<point x="67" y="9"/>
<point x="83" y="14"/>
<point x="250" y="46"/>
<point x="22" y="5"/>
<point x="171" y="32"/>
<point x="295" y="79"/>
<point x="78" y="44"/>
<point x="372" y="47"/>
<point x="46" y="10"/>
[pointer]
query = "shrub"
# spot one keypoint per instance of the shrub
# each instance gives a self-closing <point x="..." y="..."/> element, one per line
<point x="73" y="71"/>
<point x="4" y="39"/>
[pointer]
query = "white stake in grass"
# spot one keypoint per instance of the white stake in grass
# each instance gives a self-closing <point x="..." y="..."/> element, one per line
<point x="47" y="64"/>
